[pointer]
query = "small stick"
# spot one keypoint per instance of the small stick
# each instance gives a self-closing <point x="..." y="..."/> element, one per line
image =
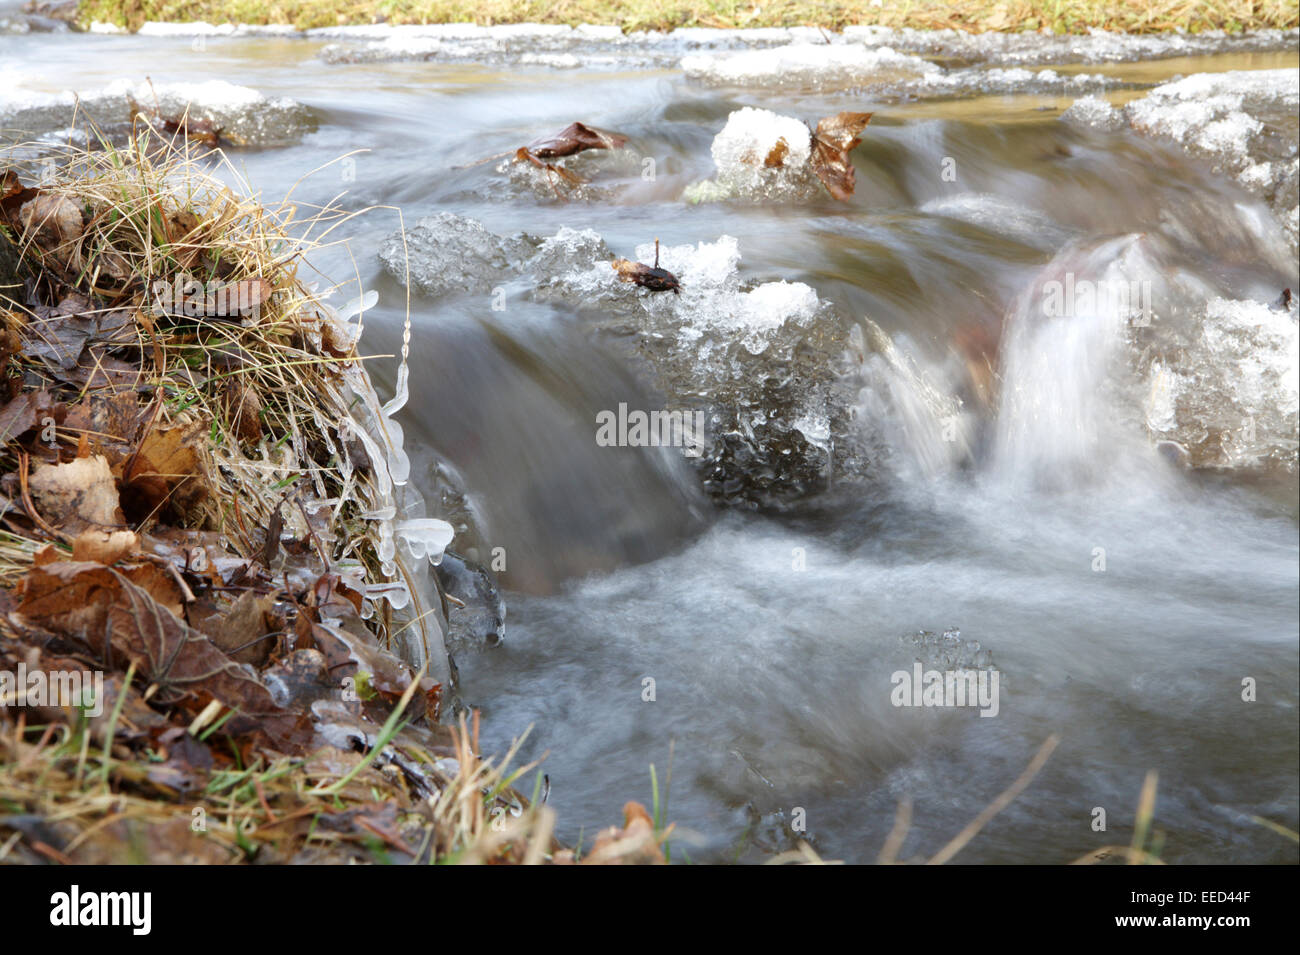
<point x="23" y="463"/>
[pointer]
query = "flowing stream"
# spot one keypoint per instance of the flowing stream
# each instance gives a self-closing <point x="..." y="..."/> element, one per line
<point x="1122" y="599"/>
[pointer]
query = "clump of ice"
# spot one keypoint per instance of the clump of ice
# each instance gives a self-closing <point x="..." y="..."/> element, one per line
<point x="1125" y="338"/>
<point x="854" y="65"/>
<point x="569" y="247"/>
<point x="740" y="152"/>
<point x="557" y="46"/>
<point x="1206" y="112"/>
<point x="704" y="265"/>
<point x="1095" y="46"/>
<point x="715" y="307"/>
<point x="751" y="134"/>
<point x="807" y="64"/>
<point x="763" y="360"/>
<point x="447" y="253"/>
<point x="243" y="115"/>
<point x="1245" y="122"/>
<point x="1230" y="396"/>
<point x="980" y="79"/>
<point x="426" y="536"/>
<point x="1094" y="112"/>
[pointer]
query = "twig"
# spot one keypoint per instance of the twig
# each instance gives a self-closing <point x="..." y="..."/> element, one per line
<point x="997" y="805"/>
<point x="894" y="841"/>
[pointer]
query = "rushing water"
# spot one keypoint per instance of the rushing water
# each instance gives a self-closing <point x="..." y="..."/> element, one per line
<point x="771" y="640"/>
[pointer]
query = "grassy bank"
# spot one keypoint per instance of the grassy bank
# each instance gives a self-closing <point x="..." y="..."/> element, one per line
<point x="1061" y="16"/>
<point x="191" y="461"/>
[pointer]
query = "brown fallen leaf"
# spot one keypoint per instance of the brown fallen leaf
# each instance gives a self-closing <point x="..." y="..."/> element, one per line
<point x="575" y="138"/>
<point x="77" y="494"/>
<point x="104" y="547"/>
<point x="54" y="223"/>
<point x="245" y="410"/>
<point x="189" y="298"/>
<point x="134" y="720"/>
<point x="59" y="334"/>
<point x="11" y="343"/>
<point x="635" y="844"/>
<point x="165" y="473"/>
<point x="13" y="194"/>
<point x="835" y="137"/>
<point x="113" y="620"/>
<point x="650" y="277"/>
<point x="172" y="841"/>
<point x="159" y="584"/>
<point x="572" y="178"/>
<point x="28" y="410"/>
<point x="776" y="155"/>
<point x="109" y="423"/>
<point x="237" y="630"/>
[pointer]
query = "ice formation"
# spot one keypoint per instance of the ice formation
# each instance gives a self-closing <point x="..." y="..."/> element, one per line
<point x="763" y="360"/>
<point x="243" y="115"/>
<point x="740" y="154"/>
<point x="1244" y="122"/>
<point x="807" y="64"/>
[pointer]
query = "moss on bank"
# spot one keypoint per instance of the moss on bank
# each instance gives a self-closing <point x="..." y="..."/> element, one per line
<point x="1061" y="16"/>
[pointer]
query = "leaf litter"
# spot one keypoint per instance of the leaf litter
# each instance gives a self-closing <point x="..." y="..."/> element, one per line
<point x="188" y="501"/>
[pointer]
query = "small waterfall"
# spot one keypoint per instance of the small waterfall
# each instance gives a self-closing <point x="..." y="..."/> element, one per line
<point x="1061" y="418"/>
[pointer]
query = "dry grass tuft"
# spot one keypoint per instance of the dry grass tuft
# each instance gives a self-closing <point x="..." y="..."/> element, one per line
<point x="1059" y="16"/>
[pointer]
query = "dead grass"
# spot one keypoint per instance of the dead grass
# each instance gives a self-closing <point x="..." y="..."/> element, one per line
<point x="68" y="798"/>
<point x="278" y="422"/>
<point x="159" y="210"/>
<point x="1060" y="16"/>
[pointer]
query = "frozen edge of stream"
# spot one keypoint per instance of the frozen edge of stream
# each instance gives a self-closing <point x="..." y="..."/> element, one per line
<point x="586" y="45"/>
